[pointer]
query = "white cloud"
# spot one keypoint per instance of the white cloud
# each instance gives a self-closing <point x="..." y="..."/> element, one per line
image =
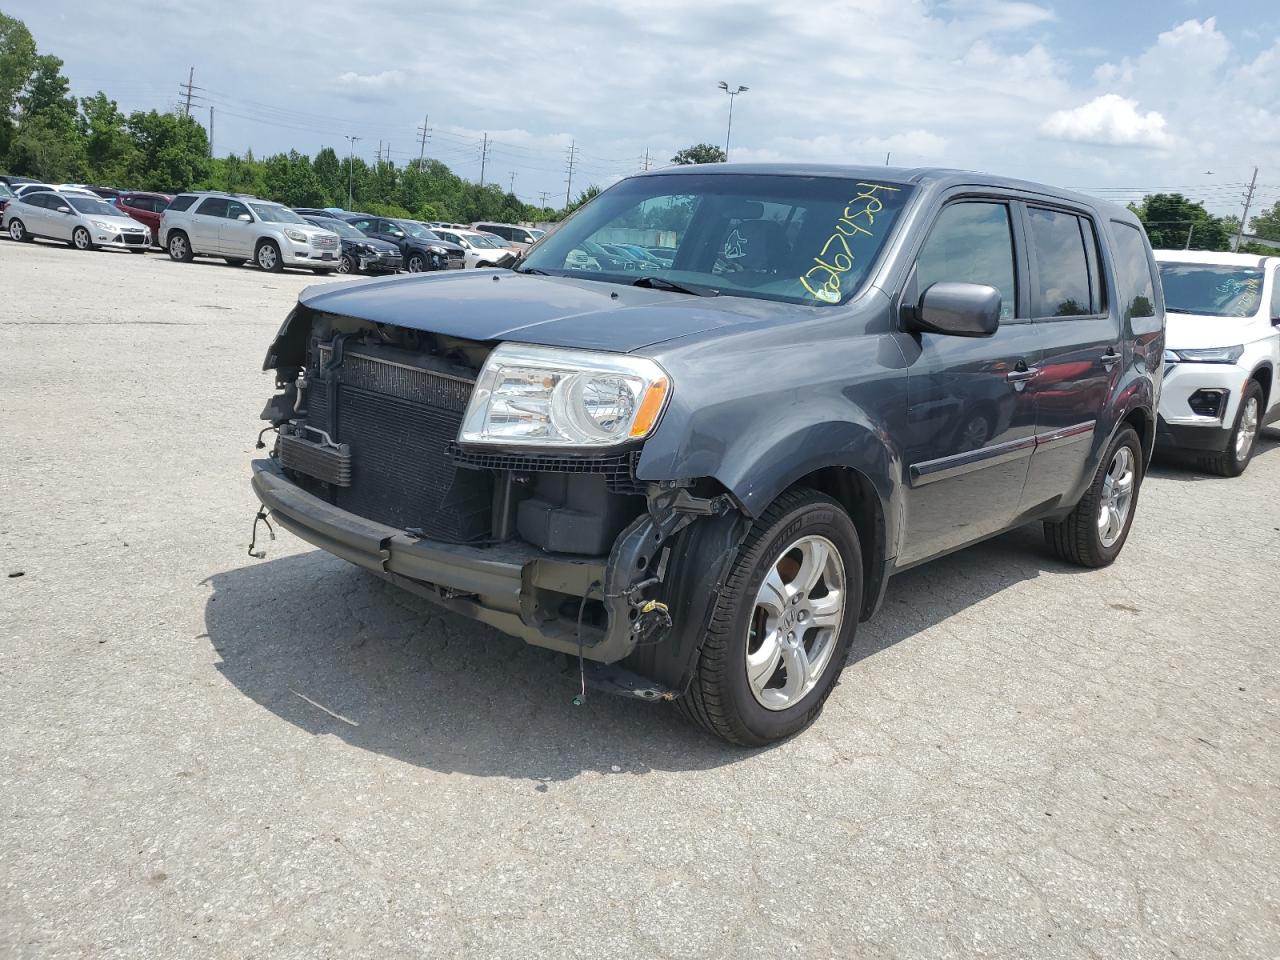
<point x="372" y="81"/>
<point x="1109" y="120"/>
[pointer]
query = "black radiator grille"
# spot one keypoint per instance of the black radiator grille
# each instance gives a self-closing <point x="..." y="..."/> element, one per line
<point x="400" y="419"/>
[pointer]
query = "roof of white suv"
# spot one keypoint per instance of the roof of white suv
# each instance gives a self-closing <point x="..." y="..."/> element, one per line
<point x="1211" y="256"/>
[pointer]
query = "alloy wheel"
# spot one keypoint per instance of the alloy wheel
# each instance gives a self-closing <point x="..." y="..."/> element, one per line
<point x="266" y="256"/>
<point x="81" y="238"/>
<point x="1117" y="496"/>
<point x="795" y="622"/>
<point x="177" y="248"/>
<point x="15" y="230"/>
<point x="1248" y="428"/>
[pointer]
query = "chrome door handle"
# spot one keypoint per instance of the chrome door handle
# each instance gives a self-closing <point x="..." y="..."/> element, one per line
<point x="1110" y="359"/>
<point x="1020" y="376"/>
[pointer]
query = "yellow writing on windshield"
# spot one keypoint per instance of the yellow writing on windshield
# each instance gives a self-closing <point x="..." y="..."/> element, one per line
<point x="836" y="257"/>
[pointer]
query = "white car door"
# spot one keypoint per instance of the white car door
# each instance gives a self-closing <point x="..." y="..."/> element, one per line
<point x="206" y="225"/>
<point x="60" y="218"/>
<point x="237" y="235"/>
<point x="30" y="210"/>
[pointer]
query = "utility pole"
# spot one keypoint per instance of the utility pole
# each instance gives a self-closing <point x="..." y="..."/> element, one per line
<point x="1248" y="202"/>
<point x="379" y="155"/>
<point x="513" y="182"/>
<point x="484" y="157"/>
<point x="1189" y="233"/>
<point x="543" y="201"/>
<point x="187" y="88"/>
<point x="211" y="131"/>
<point x="887" y="155"/>
<point x="568" y="184"/>
<point x="424" y="132"/>
<point x="646" y="158"/>
<point x="351" y="152"/>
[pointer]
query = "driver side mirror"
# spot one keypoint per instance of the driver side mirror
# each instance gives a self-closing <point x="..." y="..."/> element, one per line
<point x="958" y="310"/>
<point x="245" y="218"/>
<point x="64" y="209"/>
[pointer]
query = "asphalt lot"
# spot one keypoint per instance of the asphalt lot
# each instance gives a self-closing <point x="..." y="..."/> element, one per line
<point x="1023" y="759"/>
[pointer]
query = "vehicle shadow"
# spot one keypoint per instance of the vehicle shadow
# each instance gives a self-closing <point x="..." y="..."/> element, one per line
<point x="338" y="652"/>
<point x="1183" y="467"/>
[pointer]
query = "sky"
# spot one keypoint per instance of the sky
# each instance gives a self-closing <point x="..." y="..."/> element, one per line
<point x="1118" y="98"/>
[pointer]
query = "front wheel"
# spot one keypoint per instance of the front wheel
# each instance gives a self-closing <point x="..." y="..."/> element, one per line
<point x="80" y="239"/>
<point x="1094" y="533"/>
<point x="1244" y="436"/>
<point x="268" y="257"/>
<point x="346" y="264"/>
<point x="416" y="263"/>
<point x="782" y="625"/>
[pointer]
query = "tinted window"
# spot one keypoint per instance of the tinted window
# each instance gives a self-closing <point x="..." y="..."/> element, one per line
<point x="181" y="203"/>
<point x="142" y="203"/>
<point x="213" y="207"/>
<point x="1133" y="271"/>
<point x="1212" y="289"/>
<point x="1062" y="261"/>
<point x="971" y="243"/>
<point x="389" y="228"/>
<point x="362" y="224"/>
<point x="234" y="209"/>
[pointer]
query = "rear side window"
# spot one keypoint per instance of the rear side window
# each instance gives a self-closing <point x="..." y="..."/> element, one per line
<point x="1065" y="249"/>
<point x="1133" y="271"/>
<point x="971" y="242"/>
<point x="181" y="203"/>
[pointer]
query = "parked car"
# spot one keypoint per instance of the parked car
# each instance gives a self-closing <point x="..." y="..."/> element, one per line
<point x="699" y="480"/>
<point x="421" y="248"/>
<point x="521" y="238"/>
<point x="146" y="208"/>
<point x="480" y="250"/>
<point x="1222" y="356"/>
<point x="360" y="254"/>
<point x="239" y="228"/>
<point x="14" y="181"/>
<point x="32" y="187"/>
<point x="6" y="194"/>
<point x="82" y="220"/>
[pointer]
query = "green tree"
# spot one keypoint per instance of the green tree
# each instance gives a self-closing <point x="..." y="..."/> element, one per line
<point x="109" y="150"/>
<point x="290" y="179"/>
<point x="47" y="142"/>
<point x="1267" y="224"/>
<point x="173" y="151"/>
<point x="1170" y="219"/>
<point x="330" y="173"/>
<point x="700" y="153"/>
<point x="17" y="62"/>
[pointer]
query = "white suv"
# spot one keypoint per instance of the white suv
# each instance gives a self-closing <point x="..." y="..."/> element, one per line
<point x="239" y="228"/>
<point x="1222" y="353"/>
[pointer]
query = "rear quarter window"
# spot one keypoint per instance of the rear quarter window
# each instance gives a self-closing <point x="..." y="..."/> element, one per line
<point x="181" y="203"/>
<point x="1133" y="271"/>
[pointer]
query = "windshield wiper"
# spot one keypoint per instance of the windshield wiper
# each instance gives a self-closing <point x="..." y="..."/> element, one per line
<point x="662" y="283"/>
<point x="535" y="270"/>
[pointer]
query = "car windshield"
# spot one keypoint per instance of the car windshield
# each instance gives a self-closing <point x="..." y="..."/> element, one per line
<point x="5" y="191"/>
<point x="798" y="239"/>
<point x="274" y="213"/>
<point x="1211" y="289"/>
<point x="479" y="240"/>
<point x="416" y="230"/>
<point x="92" y="206"/>
<point x="537" y="234"/>
<point x="340" y="227"/>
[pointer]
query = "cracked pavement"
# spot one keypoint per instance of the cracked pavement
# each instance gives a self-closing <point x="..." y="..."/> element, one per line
<point x="207" y="755"/>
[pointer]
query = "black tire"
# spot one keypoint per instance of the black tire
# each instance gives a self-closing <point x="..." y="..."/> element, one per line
<point x="235" y="261"/>
<point x="1077" y="539"/>
<point x="719" y="697"/>
<point x="18" y="231"/>
<point x="81" y="239"/>
<point x="138" y="251"/>
<point x="1233" y="461"/>
<point x="179" y="247"/>
<point x="416" y="263"/>
<point x="346" y="264"/>
<point x="267" y="257"/>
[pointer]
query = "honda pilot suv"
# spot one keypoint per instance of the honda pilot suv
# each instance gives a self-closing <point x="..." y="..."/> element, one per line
<point x="697" y="481"/>
<point x="239" y="228"/>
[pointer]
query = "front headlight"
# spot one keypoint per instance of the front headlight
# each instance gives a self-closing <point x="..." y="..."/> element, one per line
<point x="1208" y="354"/>
<point x="438" y="250"/>
<point x="296" y="235"/>
<point x="552" y="397"/>
<point x="101" y="225"/>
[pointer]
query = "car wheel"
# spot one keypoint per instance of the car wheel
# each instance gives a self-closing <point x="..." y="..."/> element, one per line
<point x="346" y="264"/>
<point x="235" y="261"/>
<point x="1244" y="436"/>
<point x="179" y="247"/>
<point x="268" y="257"/>
<point x="17" y="231"/>
<point x="416" y="263"/>
<point x="782" y="624"/>
<point x="1094" y="533"/>
<point x="80" y="239"/>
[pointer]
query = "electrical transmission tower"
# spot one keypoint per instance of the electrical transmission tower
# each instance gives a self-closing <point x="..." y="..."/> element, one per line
<point x="187" y="91"/>
<point x="424" y="134"/>
<point x="571" y="159"/>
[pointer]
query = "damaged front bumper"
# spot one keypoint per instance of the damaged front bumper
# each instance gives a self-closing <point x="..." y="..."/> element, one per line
<point x="571" y="604"/>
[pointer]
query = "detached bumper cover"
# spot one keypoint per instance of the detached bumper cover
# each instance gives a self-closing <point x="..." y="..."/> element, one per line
<point x="498" y="585"/>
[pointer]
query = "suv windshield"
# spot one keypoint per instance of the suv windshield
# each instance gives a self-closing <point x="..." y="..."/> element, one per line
<point x="1211" y="289"/>
<point x="798" y="239"/>
<point x="94" y="208"/>
<point x="274" y="213"/>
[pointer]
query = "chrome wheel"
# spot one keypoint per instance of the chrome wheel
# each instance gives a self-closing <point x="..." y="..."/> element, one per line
<point x="795" y="623"/>
<point x="267" y="257"/>
<point x="81" y="238"/>
<point x="415" y="264"/>
<point x="1248" y="428"/>
<point x="345" y="265"/>
<point x="15" y="230"/>
<point x="177" y="247"/>
<point x="1117" y="496"/>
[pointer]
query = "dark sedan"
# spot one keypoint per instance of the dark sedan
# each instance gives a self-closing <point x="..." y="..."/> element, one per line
<point x="422" y="249"/>
<point x="360" y="254"/>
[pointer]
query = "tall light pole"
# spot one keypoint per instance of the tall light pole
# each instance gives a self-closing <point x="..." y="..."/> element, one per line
<point x="732" y="94"/>
<point x="351" y="151"/>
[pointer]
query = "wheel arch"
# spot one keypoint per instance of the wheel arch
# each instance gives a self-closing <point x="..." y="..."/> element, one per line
<point x="1265" y="375"/>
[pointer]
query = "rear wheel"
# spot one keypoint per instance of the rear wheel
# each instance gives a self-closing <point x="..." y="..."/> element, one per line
<point x="80" y="239"/>
<point x="1094" y="533"/>
<point x="18" y="231"/>
<point x="235" y="261"/>
<point x="781" y="627"/>
<point x="1244" y="436"/>
<point x="268" y="257"/>
<point x="180" y="247"/>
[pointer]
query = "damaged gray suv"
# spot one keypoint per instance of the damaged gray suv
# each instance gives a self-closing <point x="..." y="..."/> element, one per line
<point x="696" y="479"/>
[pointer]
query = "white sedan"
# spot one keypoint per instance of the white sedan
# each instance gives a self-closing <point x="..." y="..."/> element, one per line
<point x="86" y="222"/>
